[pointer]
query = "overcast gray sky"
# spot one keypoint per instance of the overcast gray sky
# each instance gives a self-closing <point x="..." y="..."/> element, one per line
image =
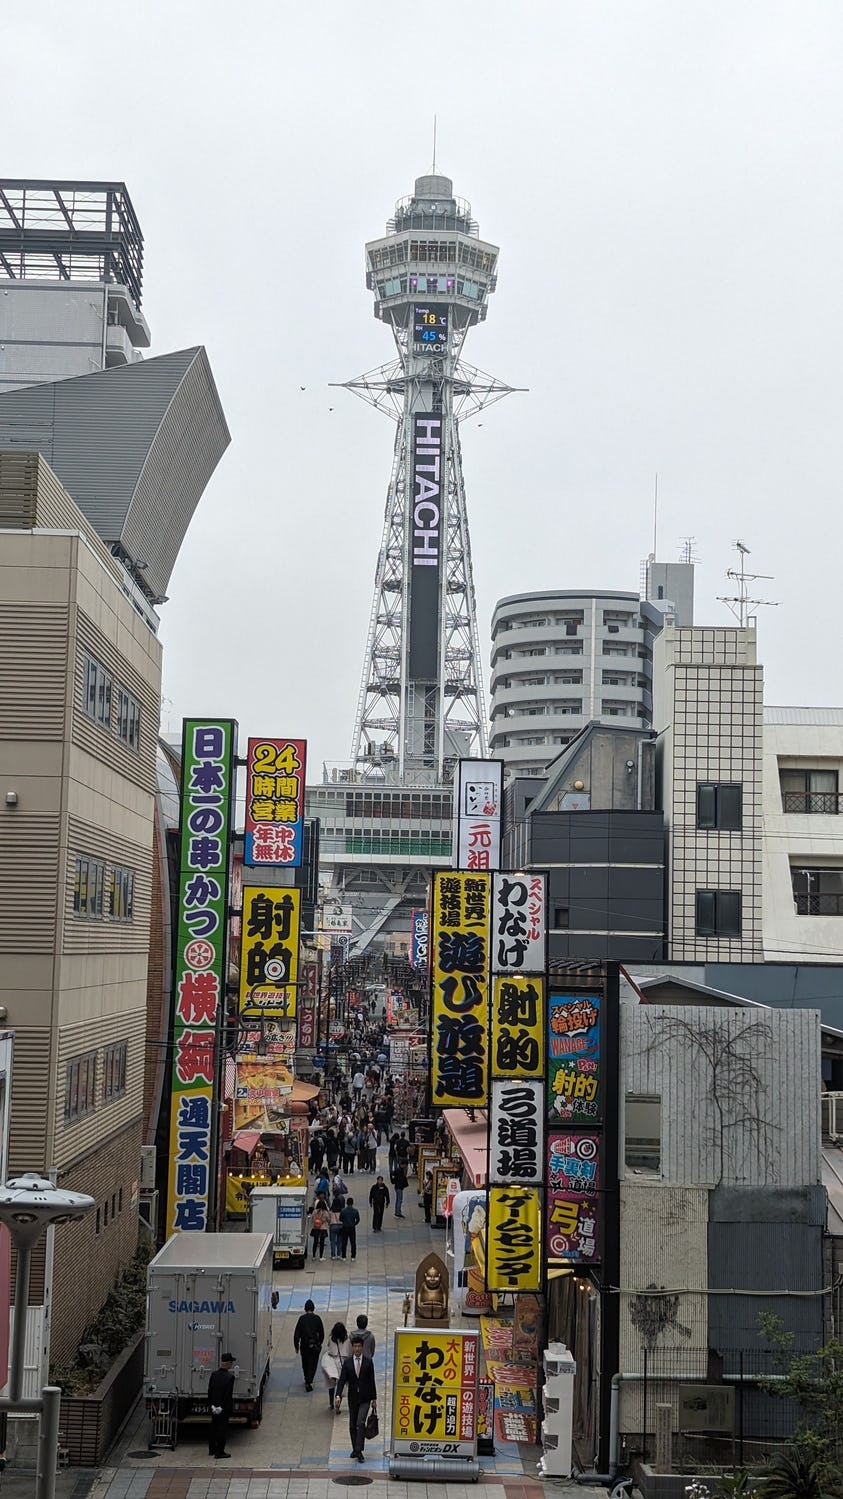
<point x="664" y="181"/>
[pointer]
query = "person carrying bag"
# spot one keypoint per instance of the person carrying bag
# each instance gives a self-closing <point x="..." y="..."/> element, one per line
<point x="338" y="1348"/>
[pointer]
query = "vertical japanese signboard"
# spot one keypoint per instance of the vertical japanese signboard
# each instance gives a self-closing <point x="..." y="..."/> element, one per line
<point x="519" y="1066"/>
<point x="459" y="1009"/>
<point x="518" y="1025"/>
<point x="269" y="952"/>
<point x="573" y="1183"/>
<point x="275" y="772"/>
<point x="516" y="1132"/>
<point x="574" y="1057"/>
<point x="307" y="1006"/>
<point x="434" y="1393"/>
<point x="514" y="1239"/>
<point x="207" y="788"/>
<point x="477" y="814"/>
<point x="420" y="931"/>
<point x="519" y="925"/>
<point x="425" y="566"/>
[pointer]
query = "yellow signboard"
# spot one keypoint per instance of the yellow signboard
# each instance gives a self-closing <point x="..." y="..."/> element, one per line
<point x="514" y="1239"/>
<point x="518" y="1025"/>
<point x="434" y="1400"/>
<point x="449" y="1357"/>
<point x="460" y="987"/>
<point x="269" y="955"/>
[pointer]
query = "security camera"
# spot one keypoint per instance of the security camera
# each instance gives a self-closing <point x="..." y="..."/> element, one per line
<point x="630" y="764"/>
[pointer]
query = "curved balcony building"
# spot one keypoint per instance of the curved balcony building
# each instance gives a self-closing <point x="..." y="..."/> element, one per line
<point x="561" y="659"/>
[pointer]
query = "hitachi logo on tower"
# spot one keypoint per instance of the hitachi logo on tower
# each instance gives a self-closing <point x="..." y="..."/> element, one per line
<point x="427" y="464"/>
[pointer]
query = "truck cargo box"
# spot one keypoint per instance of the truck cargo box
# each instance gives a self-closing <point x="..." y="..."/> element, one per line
<point x="209" y="1294"/>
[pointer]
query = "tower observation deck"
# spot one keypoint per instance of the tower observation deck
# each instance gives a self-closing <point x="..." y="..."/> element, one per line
<point x="386" y="815"/>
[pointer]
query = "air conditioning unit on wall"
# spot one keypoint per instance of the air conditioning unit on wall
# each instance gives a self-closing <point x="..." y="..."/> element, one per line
<point x="147" y="1168"/>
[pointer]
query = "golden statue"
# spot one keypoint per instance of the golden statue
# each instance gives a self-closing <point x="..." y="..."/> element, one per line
<point x="432" y="1292"/>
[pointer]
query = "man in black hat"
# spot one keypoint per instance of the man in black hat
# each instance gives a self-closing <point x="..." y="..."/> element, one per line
<point x="221" y="1401"/>
<point x="358" y="1373"/>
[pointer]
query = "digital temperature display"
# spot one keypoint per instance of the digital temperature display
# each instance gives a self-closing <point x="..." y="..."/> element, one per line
<point x="430" y="327"/>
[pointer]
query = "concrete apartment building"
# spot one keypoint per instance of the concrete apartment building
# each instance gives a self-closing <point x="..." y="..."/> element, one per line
<point x="79" y="706"/>
<point x="565" y="658"/>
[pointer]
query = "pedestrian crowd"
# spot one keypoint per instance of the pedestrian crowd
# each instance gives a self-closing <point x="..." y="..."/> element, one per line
<point x="347" y="1365"/>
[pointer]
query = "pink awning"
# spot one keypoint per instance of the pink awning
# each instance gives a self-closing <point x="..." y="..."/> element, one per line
<point x="470" y="1139"/>
<point x="247" y="1140"/>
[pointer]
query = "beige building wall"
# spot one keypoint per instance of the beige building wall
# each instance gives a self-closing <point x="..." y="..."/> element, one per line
<point x="73" y="985"/>
<point x="707" y="708"/>
<point x="803" y="832"/>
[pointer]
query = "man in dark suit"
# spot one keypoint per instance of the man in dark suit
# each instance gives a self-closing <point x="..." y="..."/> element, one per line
<point x="221" y="1401"/>
<point x="358" y="1373"/>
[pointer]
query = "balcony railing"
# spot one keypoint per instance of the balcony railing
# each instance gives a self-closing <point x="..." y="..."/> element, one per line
<point x="817" y="905"/>
<point x="811" y="801"/>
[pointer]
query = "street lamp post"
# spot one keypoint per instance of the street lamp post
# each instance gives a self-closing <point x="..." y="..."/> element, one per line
<point x="29" y="1205"/>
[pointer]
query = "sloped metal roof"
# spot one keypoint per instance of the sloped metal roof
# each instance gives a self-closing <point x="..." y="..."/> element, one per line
<point x="135" y="446"/>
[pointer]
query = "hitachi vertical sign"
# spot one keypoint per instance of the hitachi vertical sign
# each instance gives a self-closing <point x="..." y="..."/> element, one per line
<point x="426" y="546"/>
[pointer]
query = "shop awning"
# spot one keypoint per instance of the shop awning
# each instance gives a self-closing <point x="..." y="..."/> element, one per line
<point x="247" y="1140"/>
<point x="303" y="1092"/>
<point x="470" y="1138"/>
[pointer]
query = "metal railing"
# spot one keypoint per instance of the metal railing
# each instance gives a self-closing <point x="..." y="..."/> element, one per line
<point x="824" y="802"/>
<point x="814" y="904"/>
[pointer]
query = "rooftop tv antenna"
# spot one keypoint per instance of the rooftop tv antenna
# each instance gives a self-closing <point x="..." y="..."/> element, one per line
<point x="688" y="550"/>
<point x="740" y="603"/>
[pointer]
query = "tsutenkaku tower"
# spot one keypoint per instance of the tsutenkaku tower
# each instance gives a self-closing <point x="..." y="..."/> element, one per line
<point x="421" y="703"/>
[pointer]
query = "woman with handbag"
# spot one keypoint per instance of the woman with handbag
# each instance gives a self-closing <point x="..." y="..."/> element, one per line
<point x="337" y="1348"/>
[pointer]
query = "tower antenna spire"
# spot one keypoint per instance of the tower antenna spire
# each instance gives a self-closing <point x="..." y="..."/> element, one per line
<point x="434" y="145"/>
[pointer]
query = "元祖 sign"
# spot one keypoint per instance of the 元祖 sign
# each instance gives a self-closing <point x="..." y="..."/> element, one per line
<point x="478" y="790"/>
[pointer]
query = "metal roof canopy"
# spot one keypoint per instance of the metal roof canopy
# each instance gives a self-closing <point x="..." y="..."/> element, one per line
<point x="85" y="231"/>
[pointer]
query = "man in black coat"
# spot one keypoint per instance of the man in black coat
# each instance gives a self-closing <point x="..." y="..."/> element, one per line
<point x="358" y="1373"/>
<point x="308" y="1337"/>
<point x="378" y="1200"/>
<point x="221" y="1401"/>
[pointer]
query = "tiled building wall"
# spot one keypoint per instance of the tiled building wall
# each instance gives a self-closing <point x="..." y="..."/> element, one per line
<point x="712" y="711"/>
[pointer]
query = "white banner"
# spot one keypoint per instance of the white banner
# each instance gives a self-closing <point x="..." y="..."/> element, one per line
<point x="477" y="814"/>
<point x="519" y="923"/>
<point x="516" y="1133"/>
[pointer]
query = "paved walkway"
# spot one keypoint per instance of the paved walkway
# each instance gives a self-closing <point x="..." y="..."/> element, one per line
<point x="301" y="1449"/>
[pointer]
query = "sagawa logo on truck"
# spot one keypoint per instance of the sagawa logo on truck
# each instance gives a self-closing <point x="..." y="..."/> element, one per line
<point x="201" y="1306"/>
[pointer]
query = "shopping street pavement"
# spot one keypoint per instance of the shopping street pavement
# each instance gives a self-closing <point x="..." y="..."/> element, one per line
<point x="301" y="1450"/>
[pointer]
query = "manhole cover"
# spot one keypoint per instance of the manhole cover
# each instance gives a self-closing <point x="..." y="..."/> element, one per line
<point x="142" y="1452"/>
<point x="351" y="1480"/>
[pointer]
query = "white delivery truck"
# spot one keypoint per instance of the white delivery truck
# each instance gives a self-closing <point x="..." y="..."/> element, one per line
<point x="282" y="1212"/>
<point x="208" y="1294"/>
